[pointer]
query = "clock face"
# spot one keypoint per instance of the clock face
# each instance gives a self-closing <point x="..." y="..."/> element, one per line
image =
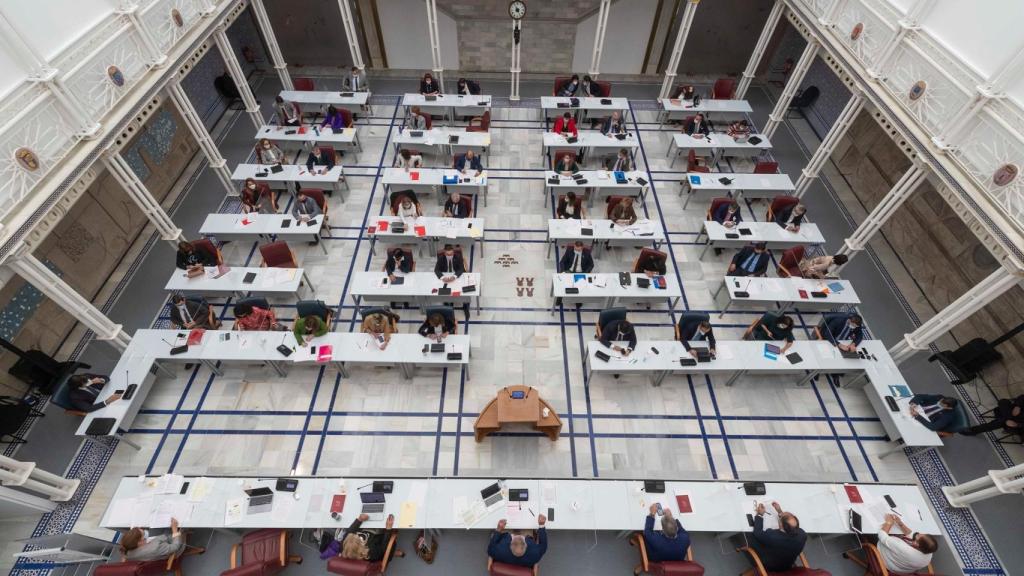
<point x="517" y="9"/>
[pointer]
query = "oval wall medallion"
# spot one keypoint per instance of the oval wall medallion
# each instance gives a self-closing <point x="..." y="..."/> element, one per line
<point x="858" y="28"/>
<point x="917" y="90"/>
<point x="115" y="75"/>
<point x="1005" y="174"/>
<point x="27" y="159"/>
<point x="176" y="18"/>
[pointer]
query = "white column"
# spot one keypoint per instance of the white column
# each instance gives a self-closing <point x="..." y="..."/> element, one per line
<point x="795" y="78"/>
<point x="602" y="24"/>
<point x="435" y="43"/>
<point x="677" y="49"/>
<point x="762" y="44"/>
<point x="43" y="279"/>
<point x="957" y="311"/>
<point x="1008" y="481"/>
<point x="138" y="192"/>
<point x="514" y="69"/>
<point x="40" y="71"/>
<point x="235" y="69"/>
<point x="275" y="51"/>
<point x="909" y="22"/>
<point x="130" y="10"/>
<point x="202" y="136"/>
<point x="350" y="32"/>
<point x="27" y="476"/>
<point x="881" y="213"/>
<point x="853" y="107"/>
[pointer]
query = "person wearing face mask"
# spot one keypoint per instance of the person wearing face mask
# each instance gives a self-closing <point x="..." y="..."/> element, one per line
<point x="407" y="160"/>
<point x="619" y="331"/>
<point x="623" y="213"/>
<point x="449" y="264"/>
<point x="791" y="217"/>
<point x="415" y="120"/>
<point x="397" y="264"/>
<point x="577" y="260"/>
<point x="455" y="208"/>
<point x="566" y="125"/>
<point x="428" y="87"/>
<point x="569" y="207"/>
<point x="613" y="125"/>
<point x="566" y="166"/>
<point x="589" y="88"/>
<point x="696" y="331"/>
<point x="287" y="112"/>
<point x="772" y="326"/>
<point x="469" y="161"/>
<point x="750" y="261"/>
<point x="621" y="162"/>
<point x="696" y="125"/>
<point x="468" y="87"/>
<point x="258" y="198"/>
<point x="407" y="209"/>
<point x="570" y="88"/>
<point x="335" y="119"/>
<point x="321" y="158"/>
<point x="728" y="214"/>
<point x="269" y="153"/>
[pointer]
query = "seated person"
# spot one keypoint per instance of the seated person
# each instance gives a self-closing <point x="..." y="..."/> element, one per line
<point x="437" y="327"/>
<point x="696" y="125"/>
<point x="189" y="256"/>
<point x="449" y="265"/>
<point x="415" y="120"/>
<point x="136" y="546"/>
<point x="651" y="264"/>
<point x="249" y="318"/>
<point x="310" y="327"/>
<point x="397" y="264"/>
<point x="454" y="208"/>
<point x="566" y="125"/>
<point x="750" y="261"/>
<point x="621" y="163"/>
<point x="334" y="119"/>
<point x="428" y="87"/>
<point x="187" y="314"/>
<point x="791" y="217"/>
<point x="778" y="548"/>
<point x="518" y="549"/>
<point x="566" y="166"/>
<point x="908" y="553"/>
<point x="469" y="161"/>
<point x="83" y="389"/>
<point x="305" y="207"/>
<point x="820" y="267"/>
<point x="466" y="87"/>
<point x="269" y="153"/>
<point x="577" y="260"/>
<point x="837" y="329"/>
<point x="623" y="213"/>
<point x="935" y="411"/>
<point x="406" y="159"/>
<point x="685" y="93"/>
<point x="322" y="157"/>
<point x="772" y="326"/>
<point x="567" y="208"/>
<point x="619" y="331"/>
<point x="407" y="209"/>
<point x="356" y="80"/>
<point x="669" y="545"/>
<point x="728" y="215"/>
<point x="380" y="326"/>
<point x="368" y="544"/>
<point x="1008" y="415"/>
<point x="569" y="89"/>
<point x="258" y="198"/>
<point x="701" y="332"/>
<point x="287" y="112"/>
<point x="613" y="124"/>
<point x="589" y="88"/>
<point x="738" y="129"/>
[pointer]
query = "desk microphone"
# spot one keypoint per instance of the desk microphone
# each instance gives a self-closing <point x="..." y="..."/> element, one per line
<point x="164" y="340"/>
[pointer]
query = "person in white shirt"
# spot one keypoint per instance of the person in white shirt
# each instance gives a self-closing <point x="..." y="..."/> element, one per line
<point x="407" y="209"/>
<point x="907" y="552"/>
<point x="406" y="159"/>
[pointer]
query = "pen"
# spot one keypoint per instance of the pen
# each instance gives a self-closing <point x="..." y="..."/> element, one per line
<point x="919" y="516"/>
<point x="534" y="515"/>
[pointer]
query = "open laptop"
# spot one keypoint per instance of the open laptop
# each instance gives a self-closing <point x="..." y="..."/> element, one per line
<point x="373" y="504"/>
<point x="492" y="496"/>
<point x="856" y="522"/>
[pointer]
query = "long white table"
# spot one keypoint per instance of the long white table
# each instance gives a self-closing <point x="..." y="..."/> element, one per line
<point x="440" y="139"/>
<point x="455" y="503"/>
<point x="717" y="144"/>
<point x="353" y="103"/>
<point x="267" y="281"/>
<point x="769" y="233"/>
<point x="310" y="135"/>
<point x="604" y="288"/>
<point x="710" y="185"/>
<point x="551" y="108"/>
<point x="436" y="233"/>
<point x="332" y="178"/>
<point x="603" y="231"/>
<point x="450" y="105"/>
<point x="430" y="180"/>
<point x="601" y="183"/>
<point x="418" y="287"/>
<point x="589" y="140"/>
<point x="252" y="226"/>
<point x="786" y="292"/>
<point x="676" y="109"/>
<point x="747" y="357"/>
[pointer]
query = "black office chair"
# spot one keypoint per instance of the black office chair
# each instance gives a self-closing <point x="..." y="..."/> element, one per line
<point x="364" y="312"/>
<point x="317" y="308"/>
<point x="607" y="316"/>
<point x="447" y="312"/>
<point x="255" y="301"/>
<point x="688" y="322"/>
<point x="13" y="414"/>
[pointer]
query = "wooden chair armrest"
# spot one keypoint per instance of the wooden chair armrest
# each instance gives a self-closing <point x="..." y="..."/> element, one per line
<point x="173" y="557"/>
<point x="638" y="540"/>
<point x="689" y="553"/>
<point x="282" y="548"/>
<point x="755" y="558"/>
<point x="677" y="332"/>
<point x="387" y="551"/>
<point x="234" y="555"/>
<point x="803" y="561"/>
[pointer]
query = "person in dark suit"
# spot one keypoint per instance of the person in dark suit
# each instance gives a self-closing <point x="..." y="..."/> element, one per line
<point x="449" y="264"/>
<point x="467" y="87"/>
<point x="437" y="327"/>
<point x="589" y="88"/>
<point x="837" y="328"/>
<point x="621" y="162"/>
<point x="468" y="161"/>
<point x="567" y="207"/>
<point x="934" y="411"/>
<point x="728" y="214"/>
<point x="696" y="125"/>
<point x="697" y="331"/>
<point x="791" y="217"/>
<point x="772" y="326"/>
<point x="187" y="314"/>
<point x="750" y="261"/>
<point x="397" y="261"/>
<point x="428" y="86"/>
<point x="83" y="389"/>
<point x="566" y="124"/>
<point x="454" y="207"/>
<point x="1008" y="415"/>
<point x="619" y="331"/>
<point x="778" y="548"/>
<point x="669" y="545"/>
<point x="576" y="260"/>
<point x="518" y="549"/>
<point x="189" y="256"/>
<point x="651" y="264"/>
<point x="613" y="124"/>
<point x="321" y="156"/>
<point x="570" y="88"/>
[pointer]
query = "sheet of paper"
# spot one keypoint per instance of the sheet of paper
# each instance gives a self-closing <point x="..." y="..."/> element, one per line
<point x="201" y="487"/>
<point x="142" y="512"/>
<point x="121" y="512"/>
<point x="518" y="514"/>
<point x="167" y="509"/>
<point x="234" y="510"/>
<point x="418" y="492"/>
<point x="548" y="494"/>
<point x="407" y="515"/>
<point x="283" y="508"/>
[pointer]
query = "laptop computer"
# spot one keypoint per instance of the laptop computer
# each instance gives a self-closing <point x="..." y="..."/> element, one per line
<point x="373" y="504"/>
<point x="492" y="496"/>
<point x="855" y="522"/>
<point x="260" y="500"/>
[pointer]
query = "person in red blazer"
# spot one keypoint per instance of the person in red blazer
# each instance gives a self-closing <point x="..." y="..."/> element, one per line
<point x="566" y="124"/>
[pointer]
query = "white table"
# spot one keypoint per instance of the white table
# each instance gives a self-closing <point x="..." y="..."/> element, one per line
<point x="603" y="231"/>
<point x="549" y="105"/>
<point x="311" y="134"/>
<point x="604" y="288"/>
<point x="353" y="103"/>
<point x="251" y="226"/>
<point x="601" y="182"/>
<point x="440" y="139"/>
<point x="677" y="109"/>
<point x="719" y="507"/>
<point x="418" y="287"/>
<point x="710" y="185"/>
<point x="332" y="178"/>
<point x="454" y="104"/>
<point x="589" y="140"/>
<point x="786" y="292"/>
<point x="429" y="180"/>
<point x="436" y="233"/>
<point x="769" y="233"/>
<point x="716" y="144"/>
<point x="276" y="281"/>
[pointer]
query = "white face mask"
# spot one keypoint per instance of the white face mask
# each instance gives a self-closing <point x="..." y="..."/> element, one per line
<point x="252" y="186"/>
<point x="266" y="146"/>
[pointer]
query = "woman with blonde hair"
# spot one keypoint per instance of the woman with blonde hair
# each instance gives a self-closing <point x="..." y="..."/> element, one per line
<point x="269" y="153"/>
<point x="369" y="545"/>
<point x="380" y="325"/>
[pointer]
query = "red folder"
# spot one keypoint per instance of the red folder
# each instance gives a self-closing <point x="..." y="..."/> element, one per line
<point x="853" y="494"/>
<point x="421" y="231"/>
<point x="414" y="176"/>
<point x="324" y="353"/>
<point x="195" y="336"/>
<point x="302" y="129"/>
<point x="683" y="502"/>
<point x="371" y="230"/>
<point x="338" y="503"/>
<point x="382" y="225"/>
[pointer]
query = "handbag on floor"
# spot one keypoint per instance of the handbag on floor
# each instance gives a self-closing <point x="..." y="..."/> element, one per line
<point x="425" y="551"/>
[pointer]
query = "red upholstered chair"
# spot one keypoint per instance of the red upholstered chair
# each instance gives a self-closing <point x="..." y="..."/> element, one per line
<point x="207" y="245"/>
<point x="673" y="568"/>
<point x="724" y="89"/>
<point x="304" y="84"/>
<point x="715" y="204"/>
<point x="766" y="167"/>
<point x="261" y="553"/>
<point x="318" y="196"/>
<point x="169" y="565"/>
<point x="346" y="117"/>
<point x="350" y="567"/>
<point x="278" y="255"/>
<point x="644" y="253"/>
<point x="789" y="264"/>
<point x="429" y="121"/>
<point x="559" y="80"/>
<point x="693" y="164"/>
<point x="874" y="564"/>
<point x="802" y="570"/>
<point x="502" y="569"/>
<point x="612" y="202"/>
<point x="606" y="88"/>
<point x="480" y="123"/>
<point x="559" y="154"/>
<point x="779" y="203"/>
<point x="396" y="199"/>
<point x="408" y="254"/>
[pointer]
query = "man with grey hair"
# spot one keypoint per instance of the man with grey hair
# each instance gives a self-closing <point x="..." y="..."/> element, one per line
<point x="518" y="549"/>
<point x="671" y="544"/>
